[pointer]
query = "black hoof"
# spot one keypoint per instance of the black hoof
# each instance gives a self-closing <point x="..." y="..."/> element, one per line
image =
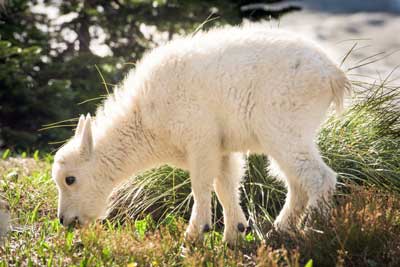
<point x="206" y="228"/>
<point x="241" y="227"/>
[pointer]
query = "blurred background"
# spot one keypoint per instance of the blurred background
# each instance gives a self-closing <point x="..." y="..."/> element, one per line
<point x="59" y="58"/>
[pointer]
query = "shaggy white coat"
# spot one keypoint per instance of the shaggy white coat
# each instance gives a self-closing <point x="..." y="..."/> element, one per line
<point x="194" y="103"/>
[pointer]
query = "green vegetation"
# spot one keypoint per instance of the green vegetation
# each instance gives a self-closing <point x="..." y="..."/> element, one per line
<point x="362" y="230"/>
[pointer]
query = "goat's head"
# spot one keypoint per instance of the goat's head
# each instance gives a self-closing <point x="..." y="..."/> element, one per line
<point x="82" y="187"/>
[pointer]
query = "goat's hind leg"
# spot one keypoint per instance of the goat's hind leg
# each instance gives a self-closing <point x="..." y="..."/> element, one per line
<point x="310" y="183"/>
<point x="319" y="190"/>
<point x="296" y="198"/>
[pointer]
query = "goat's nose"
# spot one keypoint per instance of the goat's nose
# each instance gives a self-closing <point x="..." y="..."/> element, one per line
<point x="61" y="218"/>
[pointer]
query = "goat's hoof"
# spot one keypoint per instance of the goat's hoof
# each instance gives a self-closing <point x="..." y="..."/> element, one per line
<point x="241" y="227"/>
<point x="206" y="228"/>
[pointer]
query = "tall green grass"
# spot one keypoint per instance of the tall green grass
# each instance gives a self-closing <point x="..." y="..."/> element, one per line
<point x="363" y="145"/>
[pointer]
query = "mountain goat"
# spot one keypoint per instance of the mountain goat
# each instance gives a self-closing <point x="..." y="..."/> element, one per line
<point x="197" y="103"/>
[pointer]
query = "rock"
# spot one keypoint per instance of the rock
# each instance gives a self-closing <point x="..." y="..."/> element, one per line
<point x="4" y="218"/>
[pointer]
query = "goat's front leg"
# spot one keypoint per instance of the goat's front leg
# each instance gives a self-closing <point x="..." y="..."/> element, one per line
<point x="227" y="188"/>
<point x="204" y="163"/>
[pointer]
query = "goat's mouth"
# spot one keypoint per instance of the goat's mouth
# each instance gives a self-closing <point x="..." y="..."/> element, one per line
<point x="79" y="222"/>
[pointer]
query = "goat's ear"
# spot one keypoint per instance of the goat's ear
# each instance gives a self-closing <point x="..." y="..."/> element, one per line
<point x="86" y="145"/>
<point x="79" y="128"/>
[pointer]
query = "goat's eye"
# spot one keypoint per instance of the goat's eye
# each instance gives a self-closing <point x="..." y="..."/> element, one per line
<point x="70" y="180"/>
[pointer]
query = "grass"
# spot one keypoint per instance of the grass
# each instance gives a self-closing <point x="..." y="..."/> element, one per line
<point x="364" y="144"/>
<point x="362" y="230"/>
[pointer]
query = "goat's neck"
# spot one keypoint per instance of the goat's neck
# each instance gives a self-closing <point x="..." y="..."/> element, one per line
<point x="125" y="149"/>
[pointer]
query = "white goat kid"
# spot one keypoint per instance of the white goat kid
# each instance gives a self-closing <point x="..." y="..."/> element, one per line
<point x="194" y="103"/>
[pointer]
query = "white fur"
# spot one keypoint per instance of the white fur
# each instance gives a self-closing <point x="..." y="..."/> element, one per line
<point x="196" y="101"/>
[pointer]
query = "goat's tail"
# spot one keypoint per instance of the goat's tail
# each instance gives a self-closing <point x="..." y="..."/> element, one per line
<point x="340" y="86"/>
